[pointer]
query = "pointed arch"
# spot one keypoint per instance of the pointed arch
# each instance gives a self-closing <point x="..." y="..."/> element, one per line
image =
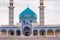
<point x="18" y="33"/>
<point x="3" y="32"/>
<point x="57" y="32"/>
<point x="27" y="31"/>
<point x="50" y="33"/>
<point x="35" y="32"/>
<point x="42" y="32"/>
<point x="11" y="32"/>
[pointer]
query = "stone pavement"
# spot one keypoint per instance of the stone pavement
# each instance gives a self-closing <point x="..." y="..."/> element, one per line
<point x="29" y="38"/>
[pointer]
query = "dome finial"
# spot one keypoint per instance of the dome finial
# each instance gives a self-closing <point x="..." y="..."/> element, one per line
<point x="27" y="5"/>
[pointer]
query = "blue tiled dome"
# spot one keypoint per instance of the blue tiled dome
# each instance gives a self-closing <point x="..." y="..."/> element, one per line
<point x="27" y="13"/>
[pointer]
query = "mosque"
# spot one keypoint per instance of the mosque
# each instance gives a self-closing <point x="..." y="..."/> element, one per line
<point x="28" y="27"/>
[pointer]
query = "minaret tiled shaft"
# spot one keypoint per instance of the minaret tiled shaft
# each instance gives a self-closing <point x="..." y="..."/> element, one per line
<point x="41" y="10"/>
<point x="11" y="13"/>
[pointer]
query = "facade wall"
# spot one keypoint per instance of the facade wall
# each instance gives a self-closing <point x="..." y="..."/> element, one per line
<point x="49" y="33"/>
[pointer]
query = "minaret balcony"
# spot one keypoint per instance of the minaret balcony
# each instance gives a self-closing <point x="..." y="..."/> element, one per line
<point x="11" y="7"/>
<point x="41" y="6"/>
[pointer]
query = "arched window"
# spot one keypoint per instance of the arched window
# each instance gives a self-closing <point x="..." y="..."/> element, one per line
<point x="27" y="28"/>
<point x="57" y="32"/>
<point x="35" y="32"/>
<point x="11" y="32"/>
<point x="42" y="32"/>
<point x="4" y="33"/>
<point x="50" y="33"/>
<point x="18" y="32"/>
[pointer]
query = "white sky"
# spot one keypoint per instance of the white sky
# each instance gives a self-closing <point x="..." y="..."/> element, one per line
<point x="52" y="10"/>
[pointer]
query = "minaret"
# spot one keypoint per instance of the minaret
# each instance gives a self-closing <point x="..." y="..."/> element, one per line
<point x="11" y="13"/>
<point x="41" y="10"/>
